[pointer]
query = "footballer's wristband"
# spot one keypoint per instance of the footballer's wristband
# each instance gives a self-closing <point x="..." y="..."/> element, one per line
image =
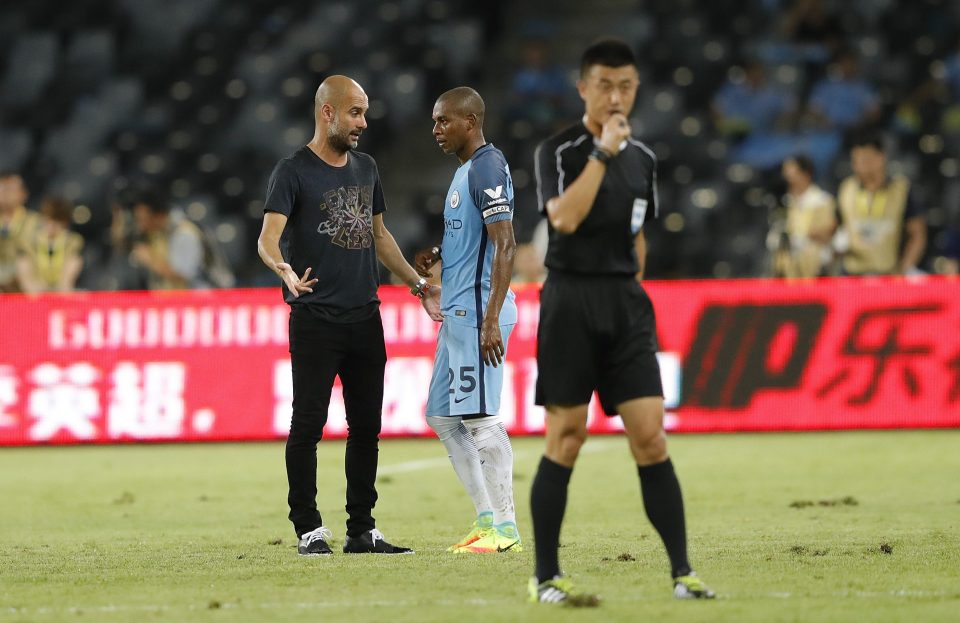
<point x="421" y="288"/>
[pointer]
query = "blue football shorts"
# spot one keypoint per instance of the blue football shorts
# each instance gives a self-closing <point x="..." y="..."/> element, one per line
<point x="462" y="384"/>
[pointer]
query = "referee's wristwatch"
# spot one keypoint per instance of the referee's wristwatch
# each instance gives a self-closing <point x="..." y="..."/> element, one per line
<point x="600" y="155"/>
<point x="420" y="288"/>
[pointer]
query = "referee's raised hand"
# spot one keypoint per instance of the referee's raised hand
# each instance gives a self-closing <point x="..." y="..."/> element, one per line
<point x="615" y="131"/>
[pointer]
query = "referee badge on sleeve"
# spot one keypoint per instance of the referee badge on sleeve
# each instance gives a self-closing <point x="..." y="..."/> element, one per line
<point x="638" y="214"/>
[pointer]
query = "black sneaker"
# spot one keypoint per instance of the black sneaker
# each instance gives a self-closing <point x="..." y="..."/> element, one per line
<point x="372" y="542"/>
<point x="314" y="543"/>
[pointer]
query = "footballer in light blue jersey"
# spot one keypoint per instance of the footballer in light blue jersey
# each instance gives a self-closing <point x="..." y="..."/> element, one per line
<point x="479" y="313"/>
<point x="481" y="193"/>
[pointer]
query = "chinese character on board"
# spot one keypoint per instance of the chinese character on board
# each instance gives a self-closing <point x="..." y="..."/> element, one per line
<point x="63" y="400"/>
<point x="146" y="402"/>
<point x="890" y="352"/>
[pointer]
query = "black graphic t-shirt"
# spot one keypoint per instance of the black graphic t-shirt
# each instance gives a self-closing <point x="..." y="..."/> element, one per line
<point x="329" y="228"/>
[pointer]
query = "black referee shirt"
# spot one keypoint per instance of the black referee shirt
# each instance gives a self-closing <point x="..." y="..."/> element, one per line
<point x="603" y="243"/>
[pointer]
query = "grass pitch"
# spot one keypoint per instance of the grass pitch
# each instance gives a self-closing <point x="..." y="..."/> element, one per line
<point x="798" y="527"/>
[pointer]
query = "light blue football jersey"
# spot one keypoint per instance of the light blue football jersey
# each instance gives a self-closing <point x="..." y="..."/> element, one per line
<point x="481" y="193"/>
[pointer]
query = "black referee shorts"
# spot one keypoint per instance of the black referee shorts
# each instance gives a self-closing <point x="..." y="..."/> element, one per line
<point x="595" y="333"/>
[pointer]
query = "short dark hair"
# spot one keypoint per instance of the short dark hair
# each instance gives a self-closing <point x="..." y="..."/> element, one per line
<point x="868" y="138"/>
<point x="804" y="163"/>
<point x="57" y="209"/>
<point x="607" y="52"/>
<point x="124" y="197"/>
<point x="151" y="197"/>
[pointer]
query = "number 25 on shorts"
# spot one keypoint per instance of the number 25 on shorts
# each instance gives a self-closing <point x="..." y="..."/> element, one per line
<point x="467" y="379"/>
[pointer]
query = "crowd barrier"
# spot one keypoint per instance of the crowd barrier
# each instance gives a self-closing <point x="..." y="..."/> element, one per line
<point x="735" y="355"/>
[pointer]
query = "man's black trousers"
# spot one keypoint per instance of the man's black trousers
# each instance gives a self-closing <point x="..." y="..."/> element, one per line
<point x="319" y="351"/>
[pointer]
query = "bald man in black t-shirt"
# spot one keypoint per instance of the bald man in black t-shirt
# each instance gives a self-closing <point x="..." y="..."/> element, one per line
<point x="597" y="186"/>
<point x="323" y="215"/>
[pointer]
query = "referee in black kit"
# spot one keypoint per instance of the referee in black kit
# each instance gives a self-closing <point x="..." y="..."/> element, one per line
<point x="597" y="331"/>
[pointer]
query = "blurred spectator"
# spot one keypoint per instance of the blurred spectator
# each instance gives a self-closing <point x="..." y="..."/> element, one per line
<point x="749" y="105"/>
<point x="804" y="248"/>
<point x="757" y="116"/>
<point x="50" y="261"/>
<point x="169" y="246"/>
<point x="843" y="100"/>
<point x="879" y="215"/>
<point x="935" y="101"/>
<point x="950" y="118"/>
<point x="17" y="226"/>
<point x="539" y="89"/>
<point x="121" y="273"/>
<point x="528" y="264"/>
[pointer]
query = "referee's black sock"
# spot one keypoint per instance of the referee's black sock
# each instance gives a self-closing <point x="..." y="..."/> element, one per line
<point x="664" y="505"/>
<point x="548" y="502"/>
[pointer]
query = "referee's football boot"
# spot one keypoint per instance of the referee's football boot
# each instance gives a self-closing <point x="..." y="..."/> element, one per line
<point x="372" y="542"/>
<point x="691" y="587"/>
<point x="314" y="543"/>
<point x="482" y="525"/>
<point x="559" y="590"/>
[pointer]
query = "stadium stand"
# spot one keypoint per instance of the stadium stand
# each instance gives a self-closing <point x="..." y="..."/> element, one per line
<point x="203" y="96"/>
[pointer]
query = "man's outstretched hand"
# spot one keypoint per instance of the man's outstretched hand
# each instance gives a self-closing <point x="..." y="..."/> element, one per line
<point x="296" y="285"/>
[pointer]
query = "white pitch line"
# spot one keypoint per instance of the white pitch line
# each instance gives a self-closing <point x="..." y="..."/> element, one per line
<point x="420" y="464"/>
<point x="413" y="466"/>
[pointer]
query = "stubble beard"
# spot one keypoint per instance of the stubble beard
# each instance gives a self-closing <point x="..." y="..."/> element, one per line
<point x="338" y="139"/>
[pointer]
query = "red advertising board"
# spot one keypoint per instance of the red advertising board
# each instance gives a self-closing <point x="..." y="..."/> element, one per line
<point x="736" y="355"/>
<point x="826" y="354"/>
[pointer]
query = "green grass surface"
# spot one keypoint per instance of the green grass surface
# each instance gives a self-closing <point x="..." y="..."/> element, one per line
<point x="800" y="527"/>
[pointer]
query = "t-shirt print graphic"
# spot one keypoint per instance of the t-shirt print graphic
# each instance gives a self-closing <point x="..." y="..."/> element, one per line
<point x="350" y="216"/>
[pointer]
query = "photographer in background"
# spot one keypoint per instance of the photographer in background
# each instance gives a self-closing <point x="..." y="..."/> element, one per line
<point x="17" y="225"/>
<point x="168" y="246"/>
<point x="50" y="261"/>
<point x="884" y="230"/>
